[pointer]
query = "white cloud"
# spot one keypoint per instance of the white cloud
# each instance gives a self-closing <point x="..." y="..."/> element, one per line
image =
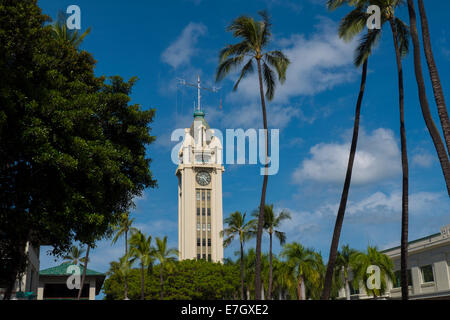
<point x="377" y="158"/>
<point x="318" y="63"/>
<point x="423" y="160"/>
<point x="182" y="49"/>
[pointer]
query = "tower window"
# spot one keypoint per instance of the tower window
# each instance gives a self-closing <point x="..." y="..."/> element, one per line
<point x="204" y="242"/>
<point x="209" y="226"/>
<point x="198" y="256"/>
<point x="198" y="211"/>
<point x="203" y="195"/>
<point x="209" y="211"/>
<point x="198" y="242"/>
<point x="203" y="211"/>
<point x="209" y="242"/>
<point x="198" y="226"/>
<point x="204" y="256"/>
<point x="209" y="195"/>
<point x="209" y="257"/>
<point x="198" y="195"/>
<point x="204" y="227"/>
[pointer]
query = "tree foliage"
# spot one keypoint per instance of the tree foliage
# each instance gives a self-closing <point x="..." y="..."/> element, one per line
<point x="184" y="280"/>
<point x="72" y="148"/>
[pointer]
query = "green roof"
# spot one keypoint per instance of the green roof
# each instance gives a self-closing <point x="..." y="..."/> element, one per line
<point x="61" y="270"/>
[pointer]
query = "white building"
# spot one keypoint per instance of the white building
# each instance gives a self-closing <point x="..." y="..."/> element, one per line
<point x="28" y="281"/>
<point x="429" y="269"/>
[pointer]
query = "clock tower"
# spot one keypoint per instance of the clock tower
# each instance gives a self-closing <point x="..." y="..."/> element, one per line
<point x="199" y="173"/>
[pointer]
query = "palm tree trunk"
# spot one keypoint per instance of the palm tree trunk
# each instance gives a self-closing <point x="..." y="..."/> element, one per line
<point x="345" y="191"/>
<point x="161" y="280"/>
<point x="126" y="272"/>
<point x="263" y="192"/>
<point x="405" y="180"/>
<point x="142" y="282"/>
<point x="347" y="289"/>
<point x="84" y="271"/>
<point x="434" y="75"/>
<point x="242" y="271"/>
<point x="434" y="132"/>
<point x="299" y="288"/>
<point x="269" y="294"/>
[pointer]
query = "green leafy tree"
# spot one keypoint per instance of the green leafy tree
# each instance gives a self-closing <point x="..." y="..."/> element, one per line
<point x="238" y="227"/>
<point x="255" y="36"/>
<point x="372" y="257"/>
<point x="305" y="262"/>
<point x="72" y="148"/>
<point x="165" y="256"/>
<point x="141" y="249"/>
<point x="271" y="224"/>
<point x="122" y="229"/>
<point x="187" y="280"/>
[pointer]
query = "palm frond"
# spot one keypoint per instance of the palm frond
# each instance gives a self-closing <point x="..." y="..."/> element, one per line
<point x="226" y="66"/>
<point x="246" y="70"/>
<point x="269" y="80"/>
<point x="352" y="24"/>
<point x="366" y="45"/>
<point x="279" y="61"/>
<point x="402" y="36"/>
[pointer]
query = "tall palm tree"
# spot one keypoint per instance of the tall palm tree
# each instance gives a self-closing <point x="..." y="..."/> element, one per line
<point x="255" y="36"/>
<point x="122" y="229"/>
<point x="344" y="261"/>
<point x="271" y="223"/>
<point x="434" y="75"/>
<point x="140" y="249"/>
<point x="237" y="226"/>
<point x="165" y="256"/>
<point x="74" y="255"/>
<point x="73" y="37"/>
<point x="284" y="281"/>
<point x="432" y="129"/>
<point x="305" y="262"/>
<point x="400" y="35"/>
<point x="351" y="25"/>
<point x="361" y="262"/>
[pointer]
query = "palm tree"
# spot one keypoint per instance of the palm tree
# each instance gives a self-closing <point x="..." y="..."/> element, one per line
<point x="74" y="255"/>
<point x="344" y="261"/>
<point x="351" y="25"/>
<point x="304" y="261"/>
<point x="238" y="227"/>
<point x="140" y="249"/>
<point x="164" y="256"/>
<point x="122" y="229"/>
<point x="284" y="278"/>
<point x="363" y="260"/>
<point x="433" y="130"/>
<point x="120" y="268"/>
<point x="434" y="75"/>
<point x="271" y="223"/>
<point x="400" y="35"/>
<point x="255" y="37"/>
<point x="61" y="32"/>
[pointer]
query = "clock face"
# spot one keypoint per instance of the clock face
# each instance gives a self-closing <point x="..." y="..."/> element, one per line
<point x="203" y="178"/>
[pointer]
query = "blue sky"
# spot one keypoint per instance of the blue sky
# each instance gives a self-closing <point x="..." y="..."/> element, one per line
<point x="314" y="110"/>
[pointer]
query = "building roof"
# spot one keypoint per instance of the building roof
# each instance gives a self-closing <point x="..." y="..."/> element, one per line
<point x="413" y="241"/>
<point x="61" y="270"/>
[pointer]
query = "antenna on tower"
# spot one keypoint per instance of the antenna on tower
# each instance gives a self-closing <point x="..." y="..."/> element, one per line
<point x="199" y="88"/>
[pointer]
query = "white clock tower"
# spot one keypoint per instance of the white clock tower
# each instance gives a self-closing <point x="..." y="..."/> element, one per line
<point x="199" y="173"/>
